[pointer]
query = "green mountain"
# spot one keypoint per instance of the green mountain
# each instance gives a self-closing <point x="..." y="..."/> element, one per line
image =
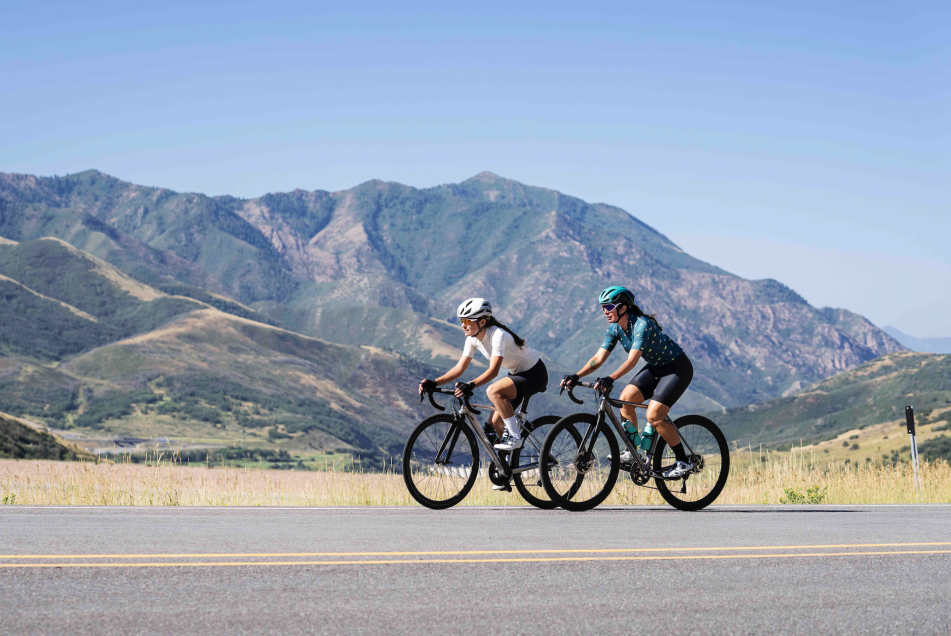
<point x="58" y="300"/>
<point x="20" y="441"/>
<point x="874" y="393"/>
<point x="384" y="265"/>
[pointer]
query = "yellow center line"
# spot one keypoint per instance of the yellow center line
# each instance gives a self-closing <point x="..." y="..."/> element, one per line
<point x="500" y="560"/>
<point x="464" y="552"/>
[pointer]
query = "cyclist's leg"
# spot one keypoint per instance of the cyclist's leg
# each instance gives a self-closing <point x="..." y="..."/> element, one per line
<point x="657" y="417"/>
<point x="501" y="394"/>
<point x="631" y="393"/>
<point x="640" y="389"/>
<point x="497" y="424"/>
<point x="674" y="382"/>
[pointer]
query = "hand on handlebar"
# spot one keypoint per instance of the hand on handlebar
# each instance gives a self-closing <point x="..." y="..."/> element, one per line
<point x="464" y="389"/>
<point x="569" y="381"/>
<point x="605" y="384"/>
<point x="426" y="385"/>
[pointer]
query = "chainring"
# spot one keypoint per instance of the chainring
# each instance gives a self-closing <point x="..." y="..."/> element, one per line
<point x="639" y="476"/>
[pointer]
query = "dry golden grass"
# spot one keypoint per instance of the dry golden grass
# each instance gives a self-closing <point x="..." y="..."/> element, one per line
<point x="166" y="483"/>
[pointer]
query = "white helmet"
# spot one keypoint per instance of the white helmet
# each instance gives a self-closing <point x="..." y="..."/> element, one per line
<point x="474" y="308"/>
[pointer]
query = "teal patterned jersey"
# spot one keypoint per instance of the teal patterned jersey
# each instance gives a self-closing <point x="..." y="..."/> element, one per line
<point x="656" y="347"/>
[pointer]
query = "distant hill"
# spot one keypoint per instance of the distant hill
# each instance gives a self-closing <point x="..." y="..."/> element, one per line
<point x="384" y="265"/>
<point x="871" y="394"/>
<point x="924" y="345"/>
<point x="212" y="376"/>
<point x="85" y="346"/>
<point x="21" y="441"/>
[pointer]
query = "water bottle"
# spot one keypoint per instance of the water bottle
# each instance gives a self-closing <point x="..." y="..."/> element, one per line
<point x="631" y="431"/>
<point x="647" y="438"/>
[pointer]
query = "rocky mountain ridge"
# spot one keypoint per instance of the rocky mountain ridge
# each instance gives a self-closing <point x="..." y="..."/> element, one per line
<point x="384" y="265"/>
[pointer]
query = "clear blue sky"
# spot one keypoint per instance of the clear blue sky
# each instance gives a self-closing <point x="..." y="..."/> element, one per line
<point x="808" y="143"/>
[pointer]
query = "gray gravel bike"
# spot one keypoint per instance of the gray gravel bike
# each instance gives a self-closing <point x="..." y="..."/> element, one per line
<point x="584" y="458"/>
<point x="441" y="457"/>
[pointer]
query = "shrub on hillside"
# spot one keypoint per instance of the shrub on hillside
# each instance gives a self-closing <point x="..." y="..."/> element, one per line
<point x="112" y="406"/>
<point x="936" y="448"/>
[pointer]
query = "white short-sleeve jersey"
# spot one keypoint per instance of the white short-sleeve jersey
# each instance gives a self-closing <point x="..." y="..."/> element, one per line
<point x="500" y="343"/>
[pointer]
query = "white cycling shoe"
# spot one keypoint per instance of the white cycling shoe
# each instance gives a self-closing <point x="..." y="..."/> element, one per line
<point x="627" y="460"/>
<point x="679" y="469"/>
<point x="509" y="443"/>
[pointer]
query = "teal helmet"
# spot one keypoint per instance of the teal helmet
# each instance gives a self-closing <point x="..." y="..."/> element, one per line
<point x="616" y="295"/>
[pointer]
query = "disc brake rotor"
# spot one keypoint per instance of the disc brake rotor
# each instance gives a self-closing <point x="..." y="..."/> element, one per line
<point x="582" y="463"/>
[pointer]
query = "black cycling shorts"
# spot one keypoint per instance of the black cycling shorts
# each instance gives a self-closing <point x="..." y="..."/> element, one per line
<point x="528" y="383"/>
<point x="667" y="383"/>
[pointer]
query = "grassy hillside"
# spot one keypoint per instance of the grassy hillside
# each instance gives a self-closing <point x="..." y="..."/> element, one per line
<point x="872" y="394"/>
<point x="20" y="441"/>
<point x="217" y="379"/>
<point x="59" y="301"/>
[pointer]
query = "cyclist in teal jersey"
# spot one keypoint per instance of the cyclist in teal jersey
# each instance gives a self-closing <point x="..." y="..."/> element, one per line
<point x="663" y="380"/>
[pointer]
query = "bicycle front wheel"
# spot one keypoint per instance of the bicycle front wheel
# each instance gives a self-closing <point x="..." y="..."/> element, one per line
<point x="711" y="457"/>
<point x="529" y="483"/>
<point x="580" y="473"/>
<point x="440" y="462"/>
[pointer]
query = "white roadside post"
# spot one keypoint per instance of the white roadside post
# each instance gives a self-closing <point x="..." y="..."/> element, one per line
<point x="910" y="423"/>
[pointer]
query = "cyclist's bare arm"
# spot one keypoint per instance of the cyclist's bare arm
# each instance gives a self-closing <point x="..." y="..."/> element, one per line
<point x="495" y="363"/>
<point x="594" y="363"/>
<point x="628" y="364"/>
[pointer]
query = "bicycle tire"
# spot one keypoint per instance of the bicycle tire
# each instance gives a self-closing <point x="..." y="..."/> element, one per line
<point x="563" y="482"/>
<point x="427" y="481"/>
<point x="529" y="484"/>
<point x="704" y="438"/>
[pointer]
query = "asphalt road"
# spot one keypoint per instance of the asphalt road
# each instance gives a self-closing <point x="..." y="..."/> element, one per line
<point x="730" y="570"/>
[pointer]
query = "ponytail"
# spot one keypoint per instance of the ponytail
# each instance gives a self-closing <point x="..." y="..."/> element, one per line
<point x="637" y="312"/>
<point x="492" y="322"/>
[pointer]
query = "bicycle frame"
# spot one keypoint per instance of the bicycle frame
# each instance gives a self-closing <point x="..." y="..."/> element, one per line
<point x="604" y="409"/>
<point x="465" y="415"/>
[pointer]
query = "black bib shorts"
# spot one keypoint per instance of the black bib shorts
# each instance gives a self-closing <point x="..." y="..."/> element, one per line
<point x="667" y="383"/>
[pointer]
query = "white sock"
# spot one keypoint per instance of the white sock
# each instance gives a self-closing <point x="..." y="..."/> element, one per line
<point x="511" y="426"/>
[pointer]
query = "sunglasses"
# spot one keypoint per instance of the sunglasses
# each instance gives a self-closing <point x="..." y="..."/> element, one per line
<point x="467" y="321"/>
<point x="609" y="307"/>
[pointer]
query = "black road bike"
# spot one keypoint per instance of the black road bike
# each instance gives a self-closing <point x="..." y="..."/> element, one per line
<point x="441" y="457"/>
<point x="584" y="458"/>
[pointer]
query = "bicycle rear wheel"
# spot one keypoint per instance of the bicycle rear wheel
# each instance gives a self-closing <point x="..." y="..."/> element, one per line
<point x="440" y="462"/>
<point x="529" y="483"/>
<point x="711" y="458"/>
<point x="579" y="479"/>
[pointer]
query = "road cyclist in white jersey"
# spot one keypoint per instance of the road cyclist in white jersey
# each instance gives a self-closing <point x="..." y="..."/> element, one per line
<point x="502" y="347"/>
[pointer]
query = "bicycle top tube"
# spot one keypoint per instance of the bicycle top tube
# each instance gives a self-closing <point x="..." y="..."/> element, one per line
<point x="614" y="401"/>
